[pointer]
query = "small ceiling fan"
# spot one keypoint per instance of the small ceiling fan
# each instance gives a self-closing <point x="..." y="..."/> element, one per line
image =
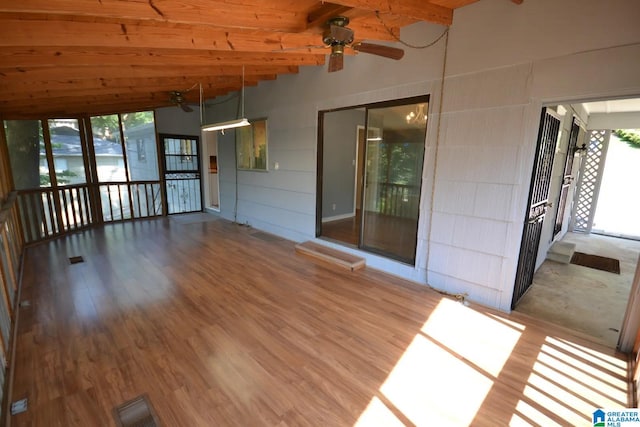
<point x="178" y="99"/>
<point x="338" y="36"/>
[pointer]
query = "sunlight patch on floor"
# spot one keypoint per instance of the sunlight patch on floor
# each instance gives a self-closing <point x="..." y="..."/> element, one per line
<point x="481" y="340"/>
<point x="527" y="415"/>
<point x="567" y="402"/>
<point x="589" y="387"/>
<point x="377" y="414"/>
<point x="553" y="356"/>
<point x="613" y="364"/>
<point x="449" y="369"/>
<point x="428" y="385"/>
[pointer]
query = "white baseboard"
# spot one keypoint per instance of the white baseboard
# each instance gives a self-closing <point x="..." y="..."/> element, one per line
<point x="338" y="217"/>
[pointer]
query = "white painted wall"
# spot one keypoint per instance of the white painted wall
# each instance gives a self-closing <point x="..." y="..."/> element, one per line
<point x="173" y="120"/>
<point x="339" y="170"/>
<point x="504" y="62"/>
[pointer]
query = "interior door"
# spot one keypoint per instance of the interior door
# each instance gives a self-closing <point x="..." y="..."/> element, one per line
<point x="183" y="187"/>
<point x="568" y="178"/>
<point x="538" y="202"/>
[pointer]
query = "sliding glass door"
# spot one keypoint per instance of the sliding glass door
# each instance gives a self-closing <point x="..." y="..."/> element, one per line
<point x="393" y="174"/>
<point x="381" y="213"/>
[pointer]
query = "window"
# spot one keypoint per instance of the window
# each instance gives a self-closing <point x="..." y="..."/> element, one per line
<point x="140" y="143"/>
<point x="67" y="151"/>
<point x="251" y="146"/>
<point x="108" y="148"/>
<point x="27" y="154"/>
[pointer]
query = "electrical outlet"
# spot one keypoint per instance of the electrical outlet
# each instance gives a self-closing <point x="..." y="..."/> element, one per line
<point x="333" y="206"/>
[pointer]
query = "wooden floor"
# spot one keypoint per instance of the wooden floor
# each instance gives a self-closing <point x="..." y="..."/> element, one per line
<point x="392" y="235"/>
<point x="219" y="328"/>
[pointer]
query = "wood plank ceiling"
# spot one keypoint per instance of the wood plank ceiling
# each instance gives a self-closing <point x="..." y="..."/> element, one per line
<point x="64" y="58"/>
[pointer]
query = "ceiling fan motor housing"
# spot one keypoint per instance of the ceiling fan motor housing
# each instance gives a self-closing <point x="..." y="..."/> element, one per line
<point x="337" y="32"/>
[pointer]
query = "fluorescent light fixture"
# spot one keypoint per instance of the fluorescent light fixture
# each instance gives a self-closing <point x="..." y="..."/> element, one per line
<point x="226" y="125"/>
<point x="237" y="123"/>
<point x="377" y="138"/>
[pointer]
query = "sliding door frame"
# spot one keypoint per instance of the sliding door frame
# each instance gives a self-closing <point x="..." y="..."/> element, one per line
<point x="320" y="165"/>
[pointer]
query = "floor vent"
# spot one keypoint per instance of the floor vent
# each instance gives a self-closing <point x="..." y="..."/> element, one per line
<point x="136" y="413"/>
<point x="267" y="237"/>
<point x="76" y="259"/>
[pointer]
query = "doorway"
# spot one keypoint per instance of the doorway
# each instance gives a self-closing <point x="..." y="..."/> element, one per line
<point x="370" y="174"/>
<point x="211" y="166"/>
<point x="182" y="184"/>
<point x="584" y="299"/>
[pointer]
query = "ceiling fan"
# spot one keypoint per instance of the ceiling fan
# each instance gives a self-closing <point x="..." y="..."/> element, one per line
<point x="178" y="99"/>
<point x="338" y="36"/>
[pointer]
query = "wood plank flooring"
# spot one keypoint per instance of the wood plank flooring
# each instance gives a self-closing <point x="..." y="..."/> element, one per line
<point x="221" y="328"/>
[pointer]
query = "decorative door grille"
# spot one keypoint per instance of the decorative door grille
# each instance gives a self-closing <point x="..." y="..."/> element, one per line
<point x="538" y="203"/>
<point x="590" y="179"/>
<point x="567" y="177"/>
<point x="183" y="187"/>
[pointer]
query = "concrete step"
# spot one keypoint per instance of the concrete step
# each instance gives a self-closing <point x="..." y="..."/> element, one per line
<point x="330" y="255"/>
<point x="561" y="252"/>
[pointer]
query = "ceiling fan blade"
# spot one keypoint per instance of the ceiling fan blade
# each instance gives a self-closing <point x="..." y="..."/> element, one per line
<point x="336" y="62"/>
<point x="186" y="108"/>
<point x="380" y="50"/>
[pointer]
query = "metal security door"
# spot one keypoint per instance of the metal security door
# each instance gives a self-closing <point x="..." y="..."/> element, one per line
<point x="183" y="187"/>
<point x="568" y="178"/>
<point x="538" y="203"/>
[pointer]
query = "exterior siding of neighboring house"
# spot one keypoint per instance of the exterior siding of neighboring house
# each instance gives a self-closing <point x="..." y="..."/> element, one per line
<point x="141" y="155"/>
<point x="67" y="156"/>
<point x="504" y="62"/>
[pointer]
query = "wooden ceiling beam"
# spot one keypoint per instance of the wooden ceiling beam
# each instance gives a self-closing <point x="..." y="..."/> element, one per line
<point x="325" y="11"/>
<point x="170" y="83"/>
<point x="108" y="56"/>
<point x="38" y="30"/>
<point x="64" y="107"/>
<point x="421" y="10"/>
<point x="191" y="93"/>
<point x="10" y="75"/>
<point x="452" y="4"/>
<point x="210" y="13"/>
<point x="39" y="111"/>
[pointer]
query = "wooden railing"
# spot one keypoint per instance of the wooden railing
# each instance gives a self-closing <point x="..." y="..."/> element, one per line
<point x="398" y="200"/>
<point x="130" y="200"/>
<point x="11" y="251"/>
<point x="50" y="212"/>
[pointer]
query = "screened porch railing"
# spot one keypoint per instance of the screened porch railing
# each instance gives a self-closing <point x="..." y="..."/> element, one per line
<point x="50" y="212"/>
<point x="11" y="249"/>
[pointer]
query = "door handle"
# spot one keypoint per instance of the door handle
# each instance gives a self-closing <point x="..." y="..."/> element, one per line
<point x="536" y="220"/>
